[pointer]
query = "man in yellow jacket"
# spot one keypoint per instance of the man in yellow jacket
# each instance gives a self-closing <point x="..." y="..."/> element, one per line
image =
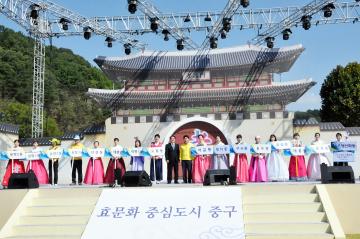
<point x="186" y="159"/>
<point x="76" y="162"/>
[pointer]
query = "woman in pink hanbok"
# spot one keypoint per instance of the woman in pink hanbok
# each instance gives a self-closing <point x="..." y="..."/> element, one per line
<point x="37" y="166"/>
<point x="95" y="169"/>
<point x="201" y="163"/>
<point x="257" y="169"/>
<point x="297" y="167"/>
<point x="14" y="165"/>
<point x="315" y="160"/>
<point x="241" y="164"/>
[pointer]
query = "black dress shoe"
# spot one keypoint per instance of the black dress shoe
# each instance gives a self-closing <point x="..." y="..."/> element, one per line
<point x="169" y="182"/>
<point x="176" y="182"/>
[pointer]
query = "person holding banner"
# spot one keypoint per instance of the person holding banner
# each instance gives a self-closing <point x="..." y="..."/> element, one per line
<point x="257" y="169"/>
<point x="275" y="164"/>
<point x="220" y="161"/>
<point x="37" y="165"/>
<point x="297" y="166"/>
<point x="202" y="163"/>
<point x="172" y="156"/>
<point x="241" y="163"/>
<point x="115" y="163"/>
<point x="315" y="160"/>
<point x="14" y="165"/>
<point x="137" y="162"/>
<point x="76" y="162"/>
<point x="186" y="159"/>
<point x="156" y="162"/>
<point x="338" y="140"/>
<point x="95" y="170"/>
<point x="54" y="162"/>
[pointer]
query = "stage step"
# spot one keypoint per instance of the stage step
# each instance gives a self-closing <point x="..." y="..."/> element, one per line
<point x="290" y="236"/>
<point x="282" y="198"/>
<point x="278" y="228"/>
<point x="292" y="217"/>
<point x="48" y="219"/>
<point x="282" y="207"/>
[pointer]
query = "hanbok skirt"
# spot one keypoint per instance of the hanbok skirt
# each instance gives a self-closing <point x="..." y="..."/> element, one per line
<point x="313" y="167"/>
<point x="94" y="174"/>
<point x="257" y="169"/>
<point x="297" y="168"/>
<point x="137" y="163"/>
<point x="18" y="168"/>
<point x="39" y="169"/>
<point x="110" y="171"/>
<point x="200" y="165"/>
<point x="220" y="161"/>
<point x="276" y="167"/>
<point x="241" y="168"/>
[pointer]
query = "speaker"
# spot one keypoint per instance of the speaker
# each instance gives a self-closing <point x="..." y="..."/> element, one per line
<point x="337" y="174"/>
<point x="136" y="179"/>
<point x="216" y="176"/>
<point x="232" y="179"/>
<point x="23" y="180"/>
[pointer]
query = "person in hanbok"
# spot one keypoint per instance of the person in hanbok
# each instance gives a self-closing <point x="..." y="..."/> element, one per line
<point x="156" y="168"/>
<point x="137" y="162"/>
<point x="53" y="164"/>
<point x="339" y="139"/>
<point x="275" y="164"/>
<point x="14" y="165"/>
<point x="201" y="163"/>
<point x="95" y="170"/>
<point x="297" y="167"/>
<point x="115" y="163"/>
<point x="37" y="166"/>
<point x="315" y="160"/>
<point x="241" y="164"/>
<point x="257" y="169"/>
<point x="220" y="161"/>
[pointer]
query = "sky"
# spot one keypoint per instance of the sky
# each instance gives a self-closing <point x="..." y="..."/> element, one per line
<point x="326" y="46"/>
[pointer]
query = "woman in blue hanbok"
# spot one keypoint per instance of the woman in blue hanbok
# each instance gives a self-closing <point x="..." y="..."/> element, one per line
<point x="137" y="162"/>
<point x="220" y="161"/>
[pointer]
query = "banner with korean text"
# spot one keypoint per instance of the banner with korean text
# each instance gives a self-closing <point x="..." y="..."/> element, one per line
<point x="214" y="212"/>
<point x="343" y="151"/>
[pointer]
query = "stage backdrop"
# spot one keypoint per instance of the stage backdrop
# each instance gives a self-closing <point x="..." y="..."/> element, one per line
<point x="152" y="213"/>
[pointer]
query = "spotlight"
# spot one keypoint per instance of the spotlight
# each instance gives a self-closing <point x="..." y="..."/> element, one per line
<point x="180" y="44"/>
<point x="65" y="23"/>
<point x="87" y="33"/>
<point x="286" y="34"/>
<point x="127" y="47"/>
<point x="328" y="10"/>
<point x="223" y="34"/>
<point x="187" y="18"/>
<point x="166" y="34"/>
<point x="270" y="42"/>
<point x="132" y="7"/>
<point x="34" y="14"/>
<point x="226" y="24"/>
<point x="154" y="24"/>
<point x="213" y="42"/>
<point x="245" y="3"/>
<point x="207" y="18"/>
<point x="306" y="22"/>
<point x="109" y="41"/>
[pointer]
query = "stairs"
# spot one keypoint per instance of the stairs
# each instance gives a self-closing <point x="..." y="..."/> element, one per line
<point x="283" y="212"/>
<point x="55" y="213"/>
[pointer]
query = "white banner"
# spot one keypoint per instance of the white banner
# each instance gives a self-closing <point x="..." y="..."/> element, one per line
<point x="262" y="148"/>
<point x="96" y="153"/>
<point x="116" y="151"/>
<point x="33" y="156"/>
<point x="75" y="153"/>
<point x="16" y="154"/>
<point x="241" y="148"/>
<point x="54" y="153"/>
<point x="203" y="150"/>
<point x="321" y="149"/>
<point x="221" y="149"/>
<point x="135" y="151"/>
<point x="282" y="144"/>
<point x="344" y="151"/>
<point x="156" y="151"/>
<point x="167" y="213"/>
<point x="297" y="151"/>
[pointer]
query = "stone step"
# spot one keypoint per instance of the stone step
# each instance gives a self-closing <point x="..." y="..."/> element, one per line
<point x="287" y="228"/>
<point x="290" y="236"/>
<point x="52" y="201"/>
<point x="64" y="230"/>
<point x="277" y="217"/>
<point x="270" y="189"/>
<point x="282" y="198"/>
<point x="33" y="220"/>
<point x="58" y="210"/>
<point x="44" y="237"/>
<point x="282" y="207"/>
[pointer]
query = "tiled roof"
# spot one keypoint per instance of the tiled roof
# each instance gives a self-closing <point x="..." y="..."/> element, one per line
<point x="95" y="129"/>
<point x="353" y="130"/>
<point x="305" y="122"/>
<point x="331" y="126"/>
<point x="9" y="128"/>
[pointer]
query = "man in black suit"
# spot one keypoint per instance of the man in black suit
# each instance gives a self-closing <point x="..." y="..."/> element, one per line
<point x="172" y="154"/>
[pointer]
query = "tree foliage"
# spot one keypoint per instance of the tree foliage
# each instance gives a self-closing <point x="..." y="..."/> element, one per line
<point x="340" y="94"/>
<point x="67" y="78"/>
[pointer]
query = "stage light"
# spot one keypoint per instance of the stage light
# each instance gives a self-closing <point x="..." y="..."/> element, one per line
<point x="127" y="47"/>
<point x="166" y="34"/>
<point x="207" y="18"/>
<point x="132" y="7"/>
<point x="226" y="24"/>
<point x="306" y="22"/>
<point x="187" y="18"/>
<point x="180" y="44"/>
<point x="65" y="23"/>
<point x="223" y="34"/>
<point x="213" y="42"/>
<point x="269" y="42"/>
<point x="245" y="3"/>
<point x="328" y="10"/>
<point x="87" y="32"/>
<point x="34" y="14"/>
<point x="109" y="41"/>
<point x="154" y="24"/>
<point x="286" y="34"/>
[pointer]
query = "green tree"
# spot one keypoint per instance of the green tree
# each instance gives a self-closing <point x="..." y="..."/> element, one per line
<point x="340" y="94"/>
